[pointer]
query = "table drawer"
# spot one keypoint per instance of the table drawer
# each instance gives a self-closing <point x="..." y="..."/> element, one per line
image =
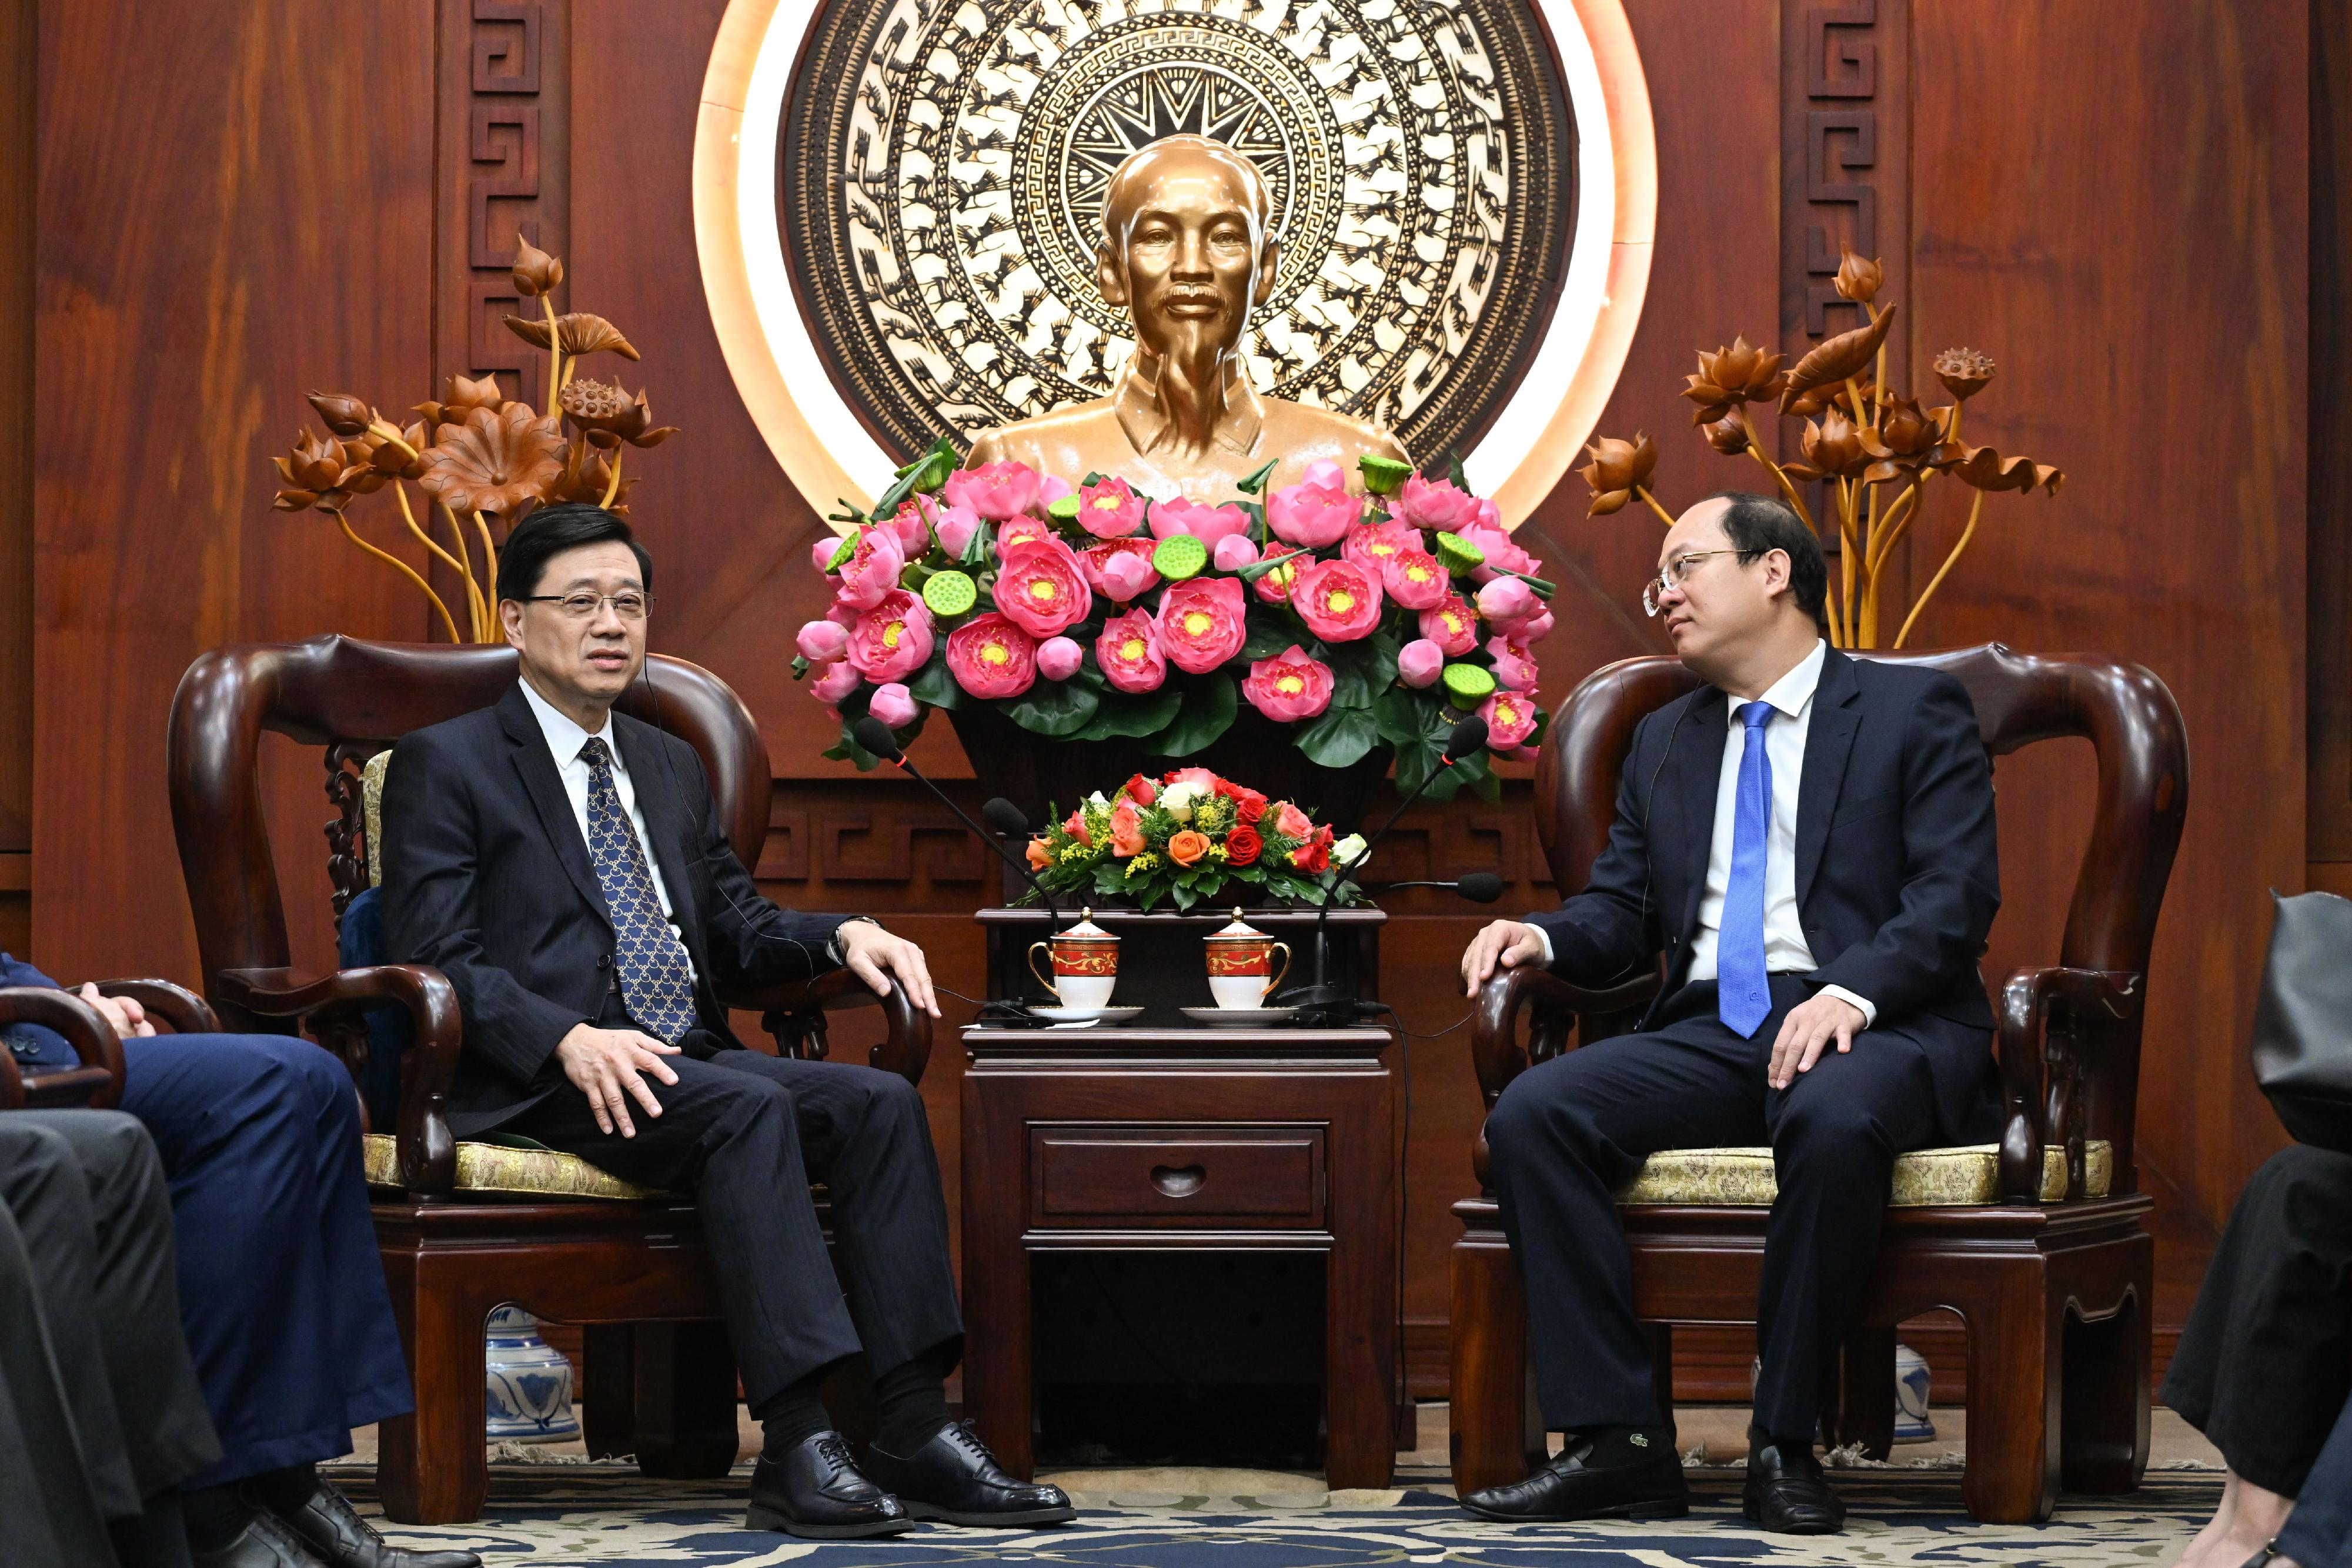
<point x="1083" y="1177"/>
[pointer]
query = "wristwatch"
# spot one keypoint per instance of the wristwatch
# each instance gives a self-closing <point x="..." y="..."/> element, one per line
<point x="832" y="944"/>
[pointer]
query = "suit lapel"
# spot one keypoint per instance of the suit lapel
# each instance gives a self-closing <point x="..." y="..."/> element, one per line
<point x="1701" y="737"/>
<point x="1829" y="741"/>
<point x="651" y="777"/>
<point x="535" y="765"/>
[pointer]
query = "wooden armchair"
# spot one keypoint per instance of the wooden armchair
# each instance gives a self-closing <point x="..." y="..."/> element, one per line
<point x="2035" y="1242"/>
<point x="96" y="1083"/>
<point x="465" y="1228"/>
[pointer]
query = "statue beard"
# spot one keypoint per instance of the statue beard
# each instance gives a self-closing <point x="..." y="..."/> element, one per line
<point x="1194" y="352"/>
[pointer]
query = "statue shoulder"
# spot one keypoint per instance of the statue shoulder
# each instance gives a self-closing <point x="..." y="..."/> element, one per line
<point x="1049" y="443"/>
<point x="1297" y="426"/>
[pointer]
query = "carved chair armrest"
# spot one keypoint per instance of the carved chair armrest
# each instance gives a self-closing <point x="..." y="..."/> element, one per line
<point x="97" y="1082"/>
<point x="1555" y="1006"/>
<point x="428" y="1153"/>
<point x="795" y="1015"/>
<point x="2043" y="1013"/>
<point x="185" y="1011"/>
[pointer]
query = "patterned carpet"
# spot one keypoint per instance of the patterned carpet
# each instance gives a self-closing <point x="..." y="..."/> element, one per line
<point x="609" y="1515"/>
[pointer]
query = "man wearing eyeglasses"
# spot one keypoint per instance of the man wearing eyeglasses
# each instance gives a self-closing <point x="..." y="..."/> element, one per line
<point x="1808" y="842"/>
<point x="564" y="867"/>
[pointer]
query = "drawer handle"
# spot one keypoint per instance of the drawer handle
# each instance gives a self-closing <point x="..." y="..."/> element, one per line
<point x="1178" y="1181"/>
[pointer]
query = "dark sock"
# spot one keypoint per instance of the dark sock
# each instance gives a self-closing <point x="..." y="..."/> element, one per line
<point x="1627" y="1445"/>
<point x="215" y="1516"/>
<point x="792" y="1417"/>
<point x="157" y="1538"/>
<point x="283" y="1492"/>
<point x="1790" y="1448"/>
<point x="913" y="1400"/>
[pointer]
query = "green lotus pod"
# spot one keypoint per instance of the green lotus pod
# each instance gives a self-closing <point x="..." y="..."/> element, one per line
<point x="1064" y="509"/>
<point x="1180" y="555"/>
<point x="1467" y="686"/>
<point x="1458" y="555"/>
<point x="1385" y="475"/>
<point x="951" y="593"/>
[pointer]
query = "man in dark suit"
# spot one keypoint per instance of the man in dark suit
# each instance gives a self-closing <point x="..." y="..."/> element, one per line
<point x="1808" y="840"/>
<point x="564" y="866"/>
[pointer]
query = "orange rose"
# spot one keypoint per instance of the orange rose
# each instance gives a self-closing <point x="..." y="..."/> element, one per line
<point x="1039" y="857"/>
<point x="1126" y="831"/>
<point x="1187" y="847"/>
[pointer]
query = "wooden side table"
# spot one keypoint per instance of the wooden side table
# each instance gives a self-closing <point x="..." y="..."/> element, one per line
<point x="1156" y="1139"/>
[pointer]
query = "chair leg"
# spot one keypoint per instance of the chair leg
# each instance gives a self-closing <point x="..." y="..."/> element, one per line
<point x="2016" y="1345"/>
<point x="1661" y="1374"/>
<point x="608" y="1413"/>
<point x="1497" y="1437"/>
<point x="1860" y="1408"/>
<point x="685" y="1400"/>
<point x="2104" y="1420"/>
<point x="433" y="1467"/>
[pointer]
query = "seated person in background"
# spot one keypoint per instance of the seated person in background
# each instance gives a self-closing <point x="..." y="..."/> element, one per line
<point x="564" y="866"/>
<point x="1807" y="839"/>
<point x="101" y="1418"/>
<point x="282" y="1291"/>
<point x="2264" y="1365"/>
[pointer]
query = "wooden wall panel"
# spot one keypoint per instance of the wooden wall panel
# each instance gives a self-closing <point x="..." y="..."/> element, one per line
<point x="18" y="179"/>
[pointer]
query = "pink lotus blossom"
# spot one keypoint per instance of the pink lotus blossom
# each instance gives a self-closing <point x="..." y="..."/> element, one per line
<point x="1500" y="551"/>
<point x="1041" y="588"/>
<point x="1110" y="510"/>
<point x="1510" y="718"/>
<point x="1120" y="569"/>
<point x="1052" y="488"/>
<point x="1373" y="545"/>
<point x="834" y="682"/>
<point x="823" y="641"/>
<point x="893" y="639"/>
<point x="1414" y="580"/>
<point x="1233" y="552"/>
<point x="1201" y="622"/>
<point x="956" y="525"/>
<point x="997" y="491"/>
<point x="1289" y="687"/>
<point x="912" y="524"/>
<point x="821" y="553"/>
<point x="1441" y="507"/>
<point x="1506" y="601"/>
<point x="1210" y="525"/>
<point x="1338" y="599"/>
<point x="1312" y="514"/>
<point x="1420" y="663"/>
<point x="1533" y="629"/>
<point x="1058" y="658"/>
<point x="894" y="705"/>
<point x="1128" y="652"/>
<point x="1452" y="626"/>
<point x="992" y="657"/>
<point x="873" y="571"/>
<point x="1273" y="587"/>
<point x="1514" y="667"/>
<point x="1022" y="532"/>
<point x="1327" y="475"/>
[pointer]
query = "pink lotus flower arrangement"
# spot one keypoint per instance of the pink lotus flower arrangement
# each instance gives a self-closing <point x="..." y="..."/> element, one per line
<point x="1360" y="618"/>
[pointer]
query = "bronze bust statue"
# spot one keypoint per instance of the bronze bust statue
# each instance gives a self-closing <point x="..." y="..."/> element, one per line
<point x="1187" y="248"/>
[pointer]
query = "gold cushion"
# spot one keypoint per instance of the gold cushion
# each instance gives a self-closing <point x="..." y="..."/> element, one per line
<point x="371" y="804"/>
<point x="493" y="1167"/>
<point x="1929" y="1178"/>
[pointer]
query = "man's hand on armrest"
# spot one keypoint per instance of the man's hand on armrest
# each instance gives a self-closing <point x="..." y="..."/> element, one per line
<point x="1504" y="945"/>
<point x="873" y="954"/>
<point x="607" y="1065"/>
<point x="128" y="1019"/>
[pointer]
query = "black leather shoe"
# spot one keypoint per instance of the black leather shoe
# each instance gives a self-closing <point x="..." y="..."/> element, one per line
<point x="1786" y="1492"/>
<point x="1566" y="1487"/>
<point x="954" y="1478"/>
<point x="339" y="1537"/>
<point x="265" y="1543"/>
<point x="816" y="1491"/>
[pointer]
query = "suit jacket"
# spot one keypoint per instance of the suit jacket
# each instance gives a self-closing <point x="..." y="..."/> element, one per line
<point x="487" y="878"/>
<point x="36" y="1047"/>
<point x="1898" y="875"/>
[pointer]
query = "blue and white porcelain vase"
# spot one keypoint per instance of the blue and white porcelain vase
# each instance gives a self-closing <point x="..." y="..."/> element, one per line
<point x="1912" y="1380"/>
<point x="529" y="1392"/>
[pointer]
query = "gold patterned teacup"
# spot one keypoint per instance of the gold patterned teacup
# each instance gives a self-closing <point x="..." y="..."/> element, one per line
<point x="1241" y="965"/>
<point x="1084" y="964"/>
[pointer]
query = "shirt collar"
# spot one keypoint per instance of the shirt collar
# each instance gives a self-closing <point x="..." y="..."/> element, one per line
<point x="1137" y="400"/>
<point x="565" y="738"/>
<point x="1791" y="692"/>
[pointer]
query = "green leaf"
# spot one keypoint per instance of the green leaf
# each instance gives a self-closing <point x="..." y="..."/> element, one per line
<point x="1209" y="706"/>
<point x="936" y="684"/>
<point x="1414" y="758"/>
<point x="1478" y="777"/>
<point x="1405" y="717"/>
<point x="1185" y="897"/>
<point x="1256" y="483"/>
<point x="1353" y="666"/>
<point x="1340" y="737"/>
<point x="800" y="666"/>
<point x="1123" y="714"/>
<point x="1269" y="634"/>
<point x="1055" y="709"/>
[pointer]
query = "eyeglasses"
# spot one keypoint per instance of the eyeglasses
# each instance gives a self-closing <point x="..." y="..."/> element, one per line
<point x="630" y="605"/>
<point x="1673" y="574"/>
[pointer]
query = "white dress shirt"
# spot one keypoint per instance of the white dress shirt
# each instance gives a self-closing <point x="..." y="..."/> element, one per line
<point x="1785" y="949"/>
<point x="564" y="739"/>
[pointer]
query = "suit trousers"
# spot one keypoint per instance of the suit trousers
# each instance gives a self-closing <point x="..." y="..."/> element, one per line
<point x="746" y="1133"/>
<point x="2318" y="1533"/>
<point x="99" y="1407"/>
<point x="1570" y="1132"/>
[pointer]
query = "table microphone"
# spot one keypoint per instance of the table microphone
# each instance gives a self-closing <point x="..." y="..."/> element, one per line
<point x="1478" y="886"/>
<point x="1006" y="821"/>
<point x="875" y="735"/>
<point x="1318" y="1003"/>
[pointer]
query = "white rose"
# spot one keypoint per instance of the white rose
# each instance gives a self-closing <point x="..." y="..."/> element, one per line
<point x="1345" y="852"/>
<point x="1178" y="800"/>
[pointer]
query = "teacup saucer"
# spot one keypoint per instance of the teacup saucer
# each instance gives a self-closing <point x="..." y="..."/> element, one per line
<point x="1085" y="1015"/>
<point x="1239" y="1018"/>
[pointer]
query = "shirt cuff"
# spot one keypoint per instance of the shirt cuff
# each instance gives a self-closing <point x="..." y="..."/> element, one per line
<point x="1862" y="1005"/>
<point x="1542" y="936"/>
<point x="833" y="942"/>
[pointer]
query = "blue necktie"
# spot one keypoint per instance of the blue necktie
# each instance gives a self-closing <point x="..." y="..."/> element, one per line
<point x="1743" y="994"/>
<point x="656" y="985"/>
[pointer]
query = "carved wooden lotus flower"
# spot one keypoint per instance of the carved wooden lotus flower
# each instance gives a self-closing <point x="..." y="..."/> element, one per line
<point x="1908" y="440"/>
<point x="317" y="473"/>
<point x="1837" y="358"/>
<point x="1963" y="371"/>
<point x="1857" y="279"/>
<point x="344" y="414"/>
<point x="1832" y="394"/>
<point x="579" y="332"/>
<point x="500" y="462"/>
<point x="1833" y="449"/>
<point x="1617" y="468"/>
<point x="464" y="397"/>
<point x="587" y="477"/>
<point x="607" y="416"/>
<point x="1728" y="377"/>
<point x="1728" y="436"/>
<point x="535" y="271"/>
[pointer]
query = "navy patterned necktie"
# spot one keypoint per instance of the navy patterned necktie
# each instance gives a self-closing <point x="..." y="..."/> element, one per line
<point x="657" y="987"/>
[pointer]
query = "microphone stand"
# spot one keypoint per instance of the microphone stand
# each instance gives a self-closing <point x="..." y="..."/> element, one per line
<point x="875" y="736"/>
